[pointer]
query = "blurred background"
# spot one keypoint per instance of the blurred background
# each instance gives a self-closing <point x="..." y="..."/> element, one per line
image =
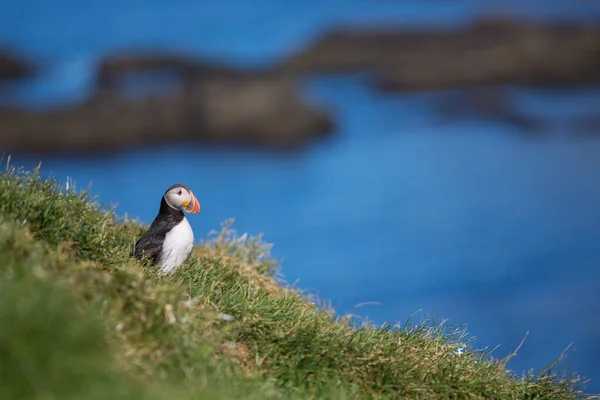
<point x="440" y="155"/>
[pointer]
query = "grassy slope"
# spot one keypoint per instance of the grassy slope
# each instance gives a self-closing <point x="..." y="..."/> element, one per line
<point x="79" y="318"/>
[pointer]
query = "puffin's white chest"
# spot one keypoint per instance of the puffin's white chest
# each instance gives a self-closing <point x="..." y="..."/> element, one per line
<point x="176" y="247"/>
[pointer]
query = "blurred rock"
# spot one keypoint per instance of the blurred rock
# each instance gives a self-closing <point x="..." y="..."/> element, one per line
<point x="491" y="51"/>
<point x="485" y="103"/>
<point x="250" y="110"/>
<point x="115" y="68"/>
<point x="13" y="66"/>
<point x="263" y="110"/>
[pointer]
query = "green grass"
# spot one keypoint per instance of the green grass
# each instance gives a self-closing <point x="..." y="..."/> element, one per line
<point x="79" y="318"/>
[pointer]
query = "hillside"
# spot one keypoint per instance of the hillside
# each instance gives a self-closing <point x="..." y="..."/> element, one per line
<point x="79" y="318"/>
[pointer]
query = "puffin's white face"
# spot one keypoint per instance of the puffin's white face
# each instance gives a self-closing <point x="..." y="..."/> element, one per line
<point x="181" y="198"/>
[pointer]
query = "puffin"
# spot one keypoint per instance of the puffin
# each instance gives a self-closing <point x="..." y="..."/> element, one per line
<point x="169" y="240"/>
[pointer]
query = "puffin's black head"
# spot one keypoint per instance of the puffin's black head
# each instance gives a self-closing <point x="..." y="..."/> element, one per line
<point x="180" y="197"/>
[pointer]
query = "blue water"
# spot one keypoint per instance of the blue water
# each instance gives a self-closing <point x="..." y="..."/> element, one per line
<point x="473" y="220"/>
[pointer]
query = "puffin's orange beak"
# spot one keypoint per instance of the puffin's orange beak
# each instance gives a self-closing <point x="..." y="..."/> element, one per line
<point x="193" y="206"/>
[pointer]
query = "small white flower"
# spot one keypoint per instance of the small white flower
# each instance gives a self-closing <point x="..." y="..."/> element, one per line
<point x="227" y="317"/>
<point x="169" y="315"/>
<point x="189" y="302"/>
<point x="460" y="350"/>
<point x="231" y="345"/>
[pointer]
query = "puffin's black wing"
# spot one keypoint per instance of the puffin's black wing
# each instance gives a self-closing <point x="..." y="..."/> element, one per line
<point x="149" y="245"/>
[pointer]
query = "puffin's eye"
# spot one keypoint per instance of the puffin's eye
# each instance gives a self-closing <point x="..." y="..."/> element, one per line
<point x="179" y="193"/>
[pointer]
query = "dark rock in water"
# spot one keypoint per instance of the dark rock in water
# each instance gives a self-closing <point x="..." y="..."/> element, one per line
<point x="113" y="69"/>
<point x="14" y="67"/>
<point x="267" y="111"/>
<point x="137" y="105"/>
<point x="246" y="110"/>
<point x="485" y="103"/>
<point x="491" y="51"/>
